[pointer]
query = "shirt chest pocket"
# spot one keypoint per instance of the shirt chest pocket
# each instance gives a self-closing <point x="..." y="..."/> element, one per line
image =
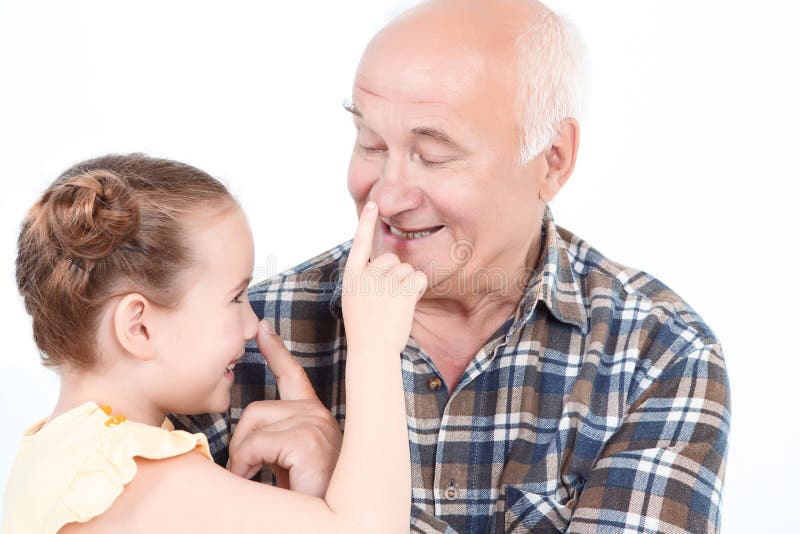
<point x="529" y="511"/>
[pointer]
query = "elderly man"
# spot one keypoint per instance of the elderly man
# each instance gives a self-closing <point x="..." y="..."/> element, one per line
<point x="548" y="388"/>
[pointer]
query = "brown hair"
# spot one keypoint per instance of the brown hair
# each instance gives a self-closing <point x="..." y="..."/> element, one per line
<point x="105" y="227"/>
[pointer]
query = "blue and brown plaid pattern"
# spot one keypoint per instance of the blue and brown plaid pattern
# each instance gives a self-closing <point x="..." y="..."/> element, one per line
<point x="601" y="405"/>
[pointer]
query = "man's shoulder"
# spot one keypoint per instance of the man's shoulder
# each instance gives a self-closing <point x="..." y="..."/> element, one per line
<point x="633" y="297"/>
<point x="318" y="273"/>
<point x="304" y="290"/>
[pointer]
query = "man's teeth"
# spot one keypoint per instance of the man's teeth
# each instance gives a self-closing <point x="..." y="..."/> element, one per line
<point x="412" y="235"/>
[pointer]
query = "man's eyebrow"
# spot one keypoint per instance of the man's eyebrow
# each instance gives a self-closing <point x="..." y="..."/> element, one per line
<point x="434" y="133"/>
<point x="351" y="107"/>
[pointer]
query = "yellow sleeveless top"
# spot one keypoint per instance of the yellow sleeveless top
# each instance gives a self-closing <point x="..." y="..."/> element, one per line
<point x="72" y="468"/>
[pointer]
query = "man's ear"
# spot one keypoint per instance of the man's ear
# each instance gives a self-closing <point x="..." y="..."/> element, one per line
<point x="560" y="156"/>
<point x="133" y="317"/>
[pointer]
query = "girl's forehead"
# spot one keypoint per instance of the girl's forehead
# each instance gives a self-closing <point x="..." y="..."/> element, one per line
<point x="221" y="246"/>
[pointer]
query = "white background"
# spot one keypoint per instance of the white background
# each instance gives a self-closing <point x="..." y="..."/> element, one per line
<point x="687" y="166"/>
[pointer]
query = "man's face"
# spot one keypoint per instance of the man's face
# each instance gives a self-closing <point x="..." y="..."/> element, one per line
<point x="437" y="149"/>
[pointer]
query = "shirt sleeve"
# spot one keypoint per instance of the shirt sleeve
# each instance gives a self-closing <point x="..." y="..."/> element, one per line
<point x="662" y="471"/>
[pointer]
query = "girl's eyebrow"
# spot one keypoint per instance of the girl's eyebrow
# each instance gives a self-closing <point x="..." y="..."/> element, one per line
<point x="243" y="283"/>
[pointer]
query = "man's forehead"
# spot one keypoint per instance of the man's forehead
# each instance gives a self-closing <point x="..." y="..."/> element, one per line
<point x="394" y="96"/>
<point x="447" y="75"/>
<point x="420" y="78"/>
<point x="463" y="105"/>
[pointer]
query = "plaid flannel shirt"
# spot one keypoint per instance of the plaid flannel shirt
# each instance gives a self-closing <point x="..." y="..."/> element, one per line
<point x="601" y="405"/>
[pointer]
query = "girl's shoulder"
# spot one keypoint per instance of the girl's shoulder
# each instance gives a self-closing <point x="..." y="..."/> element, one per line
<point x="73" y="467"/>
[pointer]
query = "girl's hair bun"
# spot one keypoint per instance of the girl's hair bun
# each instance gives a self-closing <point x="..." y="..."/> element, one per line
<point x="89" y="215"/>
<point x="107" y="226"/>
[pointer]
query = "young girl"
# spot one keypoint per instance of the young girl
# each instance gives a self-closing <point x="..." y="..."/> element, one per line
<point x="135" y="271"/>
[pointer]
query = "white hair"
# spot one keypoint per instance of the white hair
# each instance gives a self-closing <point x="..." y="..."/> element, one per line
<point x="551" y="81"/>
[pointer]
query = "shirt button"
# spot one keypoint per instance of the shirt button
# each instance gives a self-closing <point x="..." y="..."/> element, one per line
<point x="434" y="383"/>
<point x="451" y="492"/>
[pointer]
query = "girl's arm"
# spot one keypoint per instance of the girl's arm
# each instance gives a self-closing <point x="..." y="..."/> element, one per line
<point x="370" y="487"/>
<point x="378" y="300"/>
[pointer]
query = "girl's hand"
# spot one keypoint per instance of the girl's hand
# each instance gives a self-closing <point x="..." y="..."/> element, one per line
<point x="378" y="297"/>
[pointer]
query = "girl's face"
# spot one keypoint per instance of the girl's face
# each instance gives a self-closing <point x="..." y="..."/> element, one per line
<point x="198" y="342"/>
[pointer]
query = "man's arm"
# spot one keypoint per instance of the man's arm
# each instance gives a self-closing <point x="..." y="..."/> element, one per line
<point x="662" y="470"/>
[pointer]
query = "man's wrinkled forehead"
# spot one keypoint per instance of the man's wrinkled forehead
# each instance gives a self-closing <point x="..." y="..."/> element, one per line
<point x="386" y="72"/>
<point x="449" y="97"/>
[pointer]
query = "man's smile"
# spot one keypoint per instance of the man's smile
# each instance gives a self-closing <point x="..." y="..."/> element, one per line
<point x="409" y="233"/>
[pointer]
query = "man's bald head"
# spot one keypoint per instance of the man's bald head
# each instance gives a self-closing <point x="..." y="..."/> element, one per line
<point x="520" y="43"/>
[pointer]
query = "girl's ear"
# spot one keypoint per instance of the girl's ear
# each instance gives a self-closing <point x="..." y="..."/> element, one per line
<point x="133" y="318"/>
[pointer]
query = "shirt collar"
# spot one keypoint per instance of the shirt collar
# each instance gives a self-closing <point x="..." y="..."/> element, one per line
<point x="553" y="283"/>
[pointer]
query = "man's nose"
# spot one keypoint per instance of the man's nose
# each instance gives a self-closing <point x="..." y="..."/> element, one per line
<point x="393" y="191"/>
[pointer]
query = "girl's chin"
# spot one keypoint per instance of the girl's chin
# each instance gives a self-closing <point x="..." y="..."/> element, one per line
<point x="220" y="406"/>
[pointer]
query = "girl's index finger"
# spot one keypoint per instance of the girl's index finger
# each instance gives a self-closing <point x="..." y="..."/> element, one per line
<point x="362" y="242"/>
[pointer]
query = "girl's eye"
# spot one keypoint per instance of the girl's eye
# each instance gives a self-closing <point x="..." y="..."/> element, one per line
<point x="371" y="149"/>
<point x="238" y="298"/>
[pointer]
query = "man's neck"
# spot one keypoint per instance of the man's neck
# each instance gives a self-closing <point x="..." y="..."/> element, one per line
<point x="452" y="327"/>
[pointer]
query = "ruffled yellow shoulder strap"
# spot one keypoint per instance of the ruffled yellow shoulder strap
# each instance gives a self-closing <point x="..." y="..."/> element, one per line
<point x="111" y="465"/>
